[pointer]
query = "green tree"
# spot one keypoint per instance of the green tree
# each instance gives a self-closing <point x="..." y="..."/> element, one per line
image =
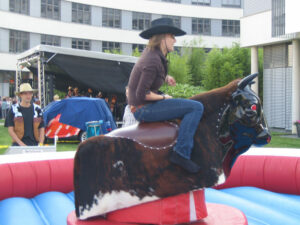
<point x="214" y="61"/>
<point x="196" y="63"/>
<point x="136" y="52"/>
<point x="196" y="60"/>
<point x="179" y="68"/>
<point x="260" y="72"/>
<point x="114" y="51"/>
<point x="223" y="66"/>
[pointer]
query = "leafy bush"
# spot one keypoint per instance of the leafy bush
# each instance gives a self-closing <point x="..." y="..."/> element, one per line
<point x="181" y="90"/>
<point x="136" y="52"/>
<point x="213" y="64"/>
<point x="179" y="68"/>
<point x="196" y="60"/>
<point x="221" y="67"/>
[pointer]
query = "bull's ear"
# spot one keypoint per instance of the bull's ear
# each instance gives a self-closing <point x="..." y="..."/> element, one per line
<point x="246" y="80"/>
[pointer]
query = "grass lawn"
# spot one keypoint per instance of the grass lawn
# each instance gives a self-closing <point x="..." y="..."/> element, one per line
<point x="283" y="140"/>
<point x="5" y="142"/>
<point x="279" y="140"/>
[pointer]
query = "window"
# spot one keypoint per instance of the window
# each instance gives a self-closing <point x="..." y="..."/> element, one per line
<point x="50" y="9"/>
<point x="176" y="20"/>
<point x="50" y="40"/>
<point x="200" y="2"/>
<point x="81" y="44"/>
<point x="81" y="13"/>
<point x="19" y="6"/>
<point x="231" y="28"/>
<point x="278" y="17"/>
<point x="139" y="47"/>
<point x="231" y="3"/>
<point x="140" y="21"/>
<point x="18" y="41"/>
<point x="201" y="26"/>
<point x="111" y="18"/>
<point x="111" y="46"/>
<point x="174" y="1"/>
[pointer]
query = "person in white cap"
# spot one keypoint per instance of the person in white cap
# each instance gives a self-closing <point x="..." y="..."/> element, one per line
<point x="25" y="120"/>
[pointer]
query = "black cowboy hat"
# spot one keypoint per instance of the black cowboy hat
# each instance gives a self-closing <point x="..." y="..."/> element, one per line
<point x="162" y="26"/>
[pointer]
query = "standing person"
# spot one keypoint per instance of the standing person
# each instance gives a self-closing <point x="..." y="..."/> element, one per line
<point x="25" y="120"/>
<point x="70" y="92"/>
<point x="76" y="92"/>
<point x="4" y="108"/>
<point x="128" y="117"/>
<point x="90" y="93"/>
<point x="148" y="105"/>
<point x="56" y="98"/>
<point x="0" y="107"/>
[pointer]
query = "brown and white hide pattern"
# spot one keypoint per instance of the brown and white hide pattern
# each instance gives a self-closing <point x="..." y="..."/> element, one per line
<point x="112" y="173"/>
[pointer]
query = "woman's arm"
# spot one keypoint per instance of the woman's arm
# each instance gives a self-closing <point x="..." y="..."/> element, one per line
<point x="155" y="97"/>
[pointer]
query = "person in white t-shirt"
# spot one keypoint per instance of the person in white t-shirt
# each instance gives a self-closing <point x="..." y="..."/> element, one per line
<point x="128" y="117"/>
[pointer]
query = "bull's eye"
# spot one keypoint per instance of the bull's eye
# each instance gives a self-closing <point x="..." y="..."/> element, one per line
<point x="253" y="107"/>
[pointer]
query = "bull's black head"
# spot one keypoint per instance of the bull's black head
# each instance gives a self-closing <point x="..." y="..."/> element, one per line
<point x="242" y="123"/>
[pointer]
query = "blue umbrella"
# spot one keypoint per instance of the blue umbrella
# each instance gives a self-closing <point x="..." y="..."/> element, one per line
<point x="76" y="111"/>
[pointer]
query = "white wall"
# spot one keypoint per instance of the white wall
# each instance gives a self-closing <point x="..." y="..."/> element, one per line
<point x="96" y="16"/>
<point x="34" y="39"/>
<point x="66" y="42"/>
<point x="126" y="20"/>
<point x="8" y="61"/>
<point x="4" y="5"/>
<point x="35" y="8"/>
<point x="292" y="16"/>
<point x="4" y="40"/>
<point x="96" y="46"/>
<point x="66" y="8"/>
<point x="126" y="48"/>
<point x="257" y="30"/>
<point x="155" y="16"/>
<point x="186" y="23"/>
<point x="4" y="89"/>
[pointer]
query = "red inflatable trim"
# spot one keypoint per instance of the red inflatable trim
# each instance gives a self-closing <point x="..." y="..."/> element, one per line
<point x="28" y="179"/>
<point x="274" y="173"/>
<point x="171" y="210"/>
<point x="217" y="215"/>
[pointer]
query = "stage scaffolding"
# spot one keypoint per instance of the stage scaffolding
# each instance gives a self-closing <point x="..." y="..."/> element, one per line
<point x="100" y="71"/>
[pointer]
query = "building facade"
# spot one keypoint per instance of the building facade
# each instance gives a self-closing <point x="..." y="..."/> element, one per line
<point x="278" y="35"/>
<point x="106" y="25"/>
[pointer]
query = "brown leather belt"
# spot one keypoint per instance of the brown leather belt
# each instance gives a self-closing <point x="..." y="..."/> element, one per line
<point x="134" y="108"/>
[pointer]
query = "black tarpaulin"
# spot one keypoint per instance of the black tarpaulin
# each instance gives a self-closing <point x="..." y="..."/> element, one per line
<point x="105" y="75"/>
<point x="97" y="70"/>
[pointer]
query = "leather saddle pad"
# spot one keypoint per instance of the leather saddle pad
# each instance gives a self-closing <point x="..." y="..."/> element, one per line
<point x="159" y="135"/>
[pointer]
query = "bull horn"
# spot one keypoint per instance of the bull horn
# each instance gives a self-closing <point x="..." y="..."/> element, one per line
<point x="246" y="80"/>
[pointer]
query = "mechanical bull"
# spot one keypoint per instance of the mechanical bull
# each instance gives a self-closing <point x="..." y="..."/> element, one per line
<point x="131" y="165"/>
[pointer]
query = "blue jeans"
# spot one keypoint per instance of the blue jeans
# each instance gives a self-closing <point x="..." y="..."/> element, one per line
<point x="189" y="111"/>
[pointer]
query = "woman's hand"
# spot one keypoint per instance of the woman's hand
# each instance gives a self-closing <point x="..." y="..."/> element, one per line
<point x="167" y="96"/>
<point x="170" y="80"/>
<point x="156" y="97"/>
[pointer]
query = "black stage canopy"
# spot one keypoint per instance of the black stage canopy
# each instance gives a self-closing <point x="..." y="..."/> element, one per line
<point x="97" y="70"/>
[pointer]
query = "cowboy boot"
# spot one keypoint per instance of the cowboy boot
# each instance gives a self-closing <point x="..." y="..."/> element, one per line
<point x="186" y="164"/>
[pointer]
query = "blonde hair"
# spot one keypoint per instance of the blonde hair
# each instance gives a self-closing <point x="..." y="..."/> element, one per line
<point x="55" y="97"/>
<point x="155" y="40"/>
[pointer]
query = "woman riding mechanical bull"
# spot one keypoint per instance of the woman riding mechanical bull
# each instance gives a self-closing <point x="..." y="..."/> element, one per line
<point x="149" y="105"/>
<point x="150" y="161"/>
